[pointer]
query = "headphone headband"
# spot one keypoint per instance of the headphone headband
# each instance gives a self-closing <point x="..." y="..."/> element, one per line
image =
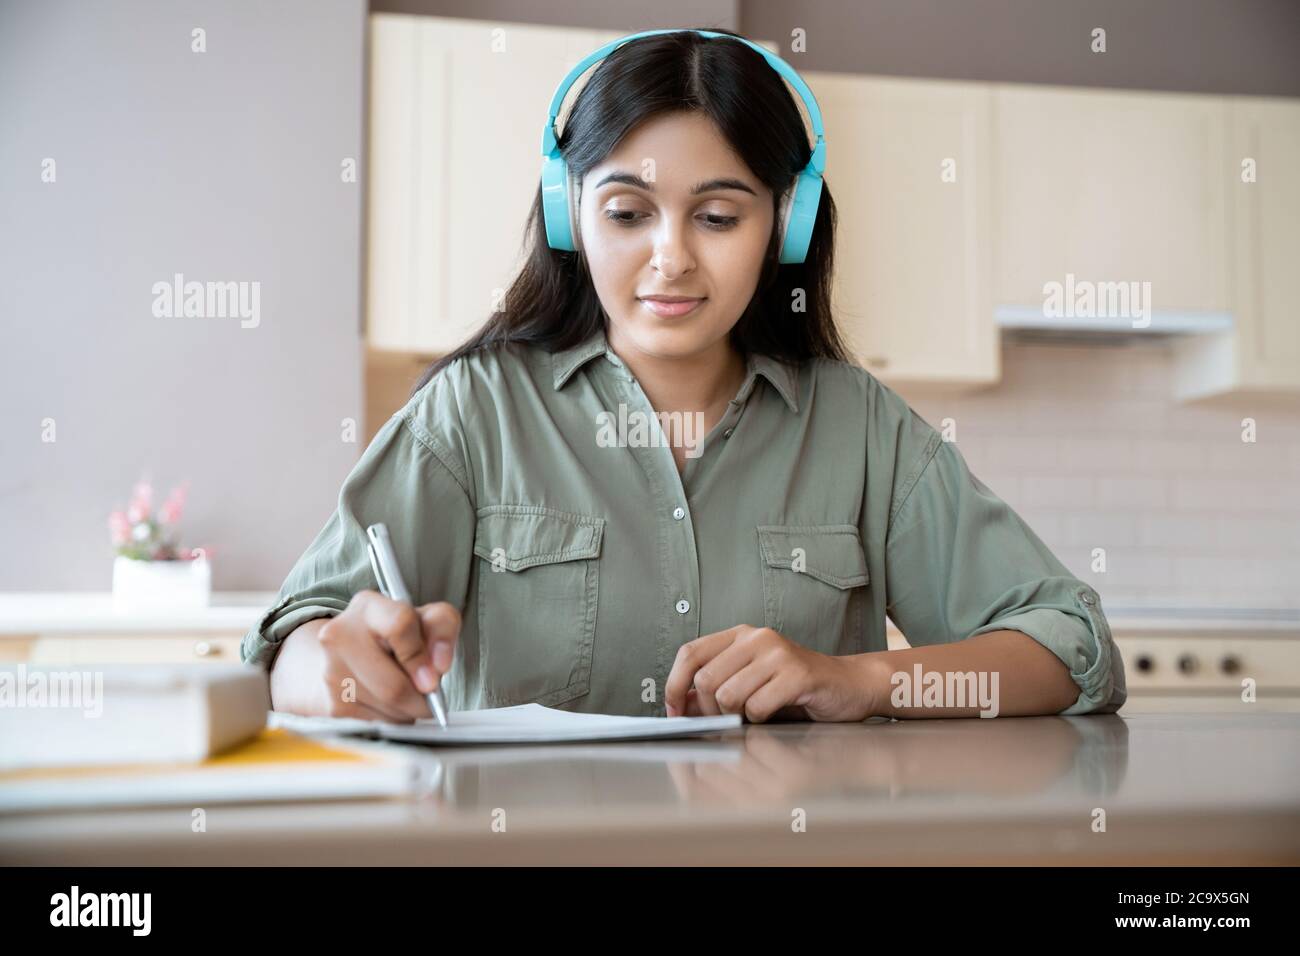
<point x="817" y="162"/>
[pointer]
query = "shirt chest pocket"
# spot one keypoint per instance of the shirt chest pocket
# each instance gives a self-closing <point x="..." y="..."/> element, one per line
<point x="538" y="584"/>
<point x="815" y="585"/>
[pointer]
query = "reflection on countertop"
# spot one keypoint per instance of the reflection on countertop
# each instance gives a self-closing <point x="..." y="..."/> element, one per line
<point x="878" y="761"/>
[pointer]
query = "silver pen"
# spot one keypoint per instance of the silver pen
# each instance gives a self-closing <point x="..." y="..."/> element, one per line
<point x="384" y="563"/>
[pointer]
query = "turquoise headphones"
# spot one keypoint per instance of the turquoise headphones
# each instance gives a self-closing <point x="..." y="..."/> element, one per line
<point x="560" y="192"/>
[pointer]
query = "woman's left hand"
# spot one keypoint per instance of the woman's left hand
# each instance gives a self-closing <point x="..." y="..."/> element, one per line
<point x="757" y="672"/>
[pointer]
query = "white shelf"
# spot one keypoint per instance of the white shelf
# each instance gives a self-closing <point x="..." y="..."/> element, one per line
<point x="52" y="612"/>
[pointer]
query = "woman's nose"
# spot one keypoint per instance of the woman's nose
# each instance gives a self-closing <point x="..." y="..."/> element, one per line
<point x="672" y="253"/>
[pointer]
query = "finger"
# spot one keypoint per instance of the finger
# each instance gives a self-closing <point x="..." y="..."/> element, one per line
<point x="691" y="656"/>
<point x="344" y="684"/>
<point x="397" y="627"/>
<point x="441" y="623"/>
<point x="733" y="694"/>
<point x="765" y="701"/>
<point x="725" y="668"/>
<point x="382" y="683"/>
<point x="692" y="703"/>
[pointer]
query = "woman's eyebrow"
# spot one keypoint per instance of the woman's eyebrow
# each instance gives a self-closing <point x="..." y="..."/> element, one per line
<point x="709" y="185"/>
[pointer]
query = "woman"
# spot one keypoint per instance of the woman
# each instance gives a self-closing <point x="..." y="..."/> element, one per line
<point x="558" y="552"/>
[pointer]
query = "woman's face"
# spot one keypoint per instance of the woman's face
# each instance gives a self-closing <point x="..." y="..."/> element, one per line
<point x="673" y="211"/>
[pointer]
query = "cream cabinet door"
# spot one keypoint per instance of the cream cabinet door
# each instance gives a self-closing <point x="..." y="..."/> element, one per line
<point x="400" y="170"/>
<point x="1111" y="186"/>
<point x="1262" y="352"/>
<point x="1266" y="218"/>
<point x="457" y="111"/>
<point x="908" y="166"/>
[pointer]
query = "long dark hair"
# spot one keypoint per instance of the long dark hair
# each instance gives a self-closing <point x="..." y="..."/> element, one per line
<point x="552" y="302"/>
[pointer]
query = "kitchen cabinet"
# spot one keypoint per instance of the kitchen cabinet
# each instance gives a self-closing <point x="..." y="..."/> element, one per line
<point x="908" y="164"/>
<point x="1110" y="186"/>
<point x="1262" y="352"/>
<point x="457" y="108"/>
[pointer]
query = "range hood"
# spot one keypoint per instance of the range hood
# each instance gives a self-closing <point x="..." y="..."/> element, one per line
<point x="1027" y="323"/>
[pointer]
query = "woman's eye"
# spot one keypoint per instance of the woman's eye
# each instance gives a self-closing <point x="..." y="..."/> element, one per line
<point x="626" y="217"/>
<point x="618" y="216"/>
<point x="720" y="222"/>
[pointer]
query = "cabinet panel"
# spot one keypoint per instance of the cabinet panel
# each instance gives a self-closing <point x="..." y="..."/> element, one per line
<point x="1262" y="352"/>
<point x="1110" y="187"/>
<point x="1267" y="231"/>
<point x="497" y="110"/>
<point x="908" y="165"/>
<point x="392" y="163"/>
<point x="457" y="112"/>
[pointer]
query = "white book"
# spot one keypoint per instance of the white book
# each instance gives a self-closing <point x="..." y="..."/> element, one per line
<point x="522" y="724"/>
<point x="84" y="715"/>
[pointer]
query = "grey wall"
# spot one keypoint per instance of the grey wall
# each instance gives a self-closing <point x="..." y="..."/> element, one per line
<point x="1209" y="46"/>
<point x="222" y="166"/>
<point x="592" y="14"/>
<point x="1205" y="46"/>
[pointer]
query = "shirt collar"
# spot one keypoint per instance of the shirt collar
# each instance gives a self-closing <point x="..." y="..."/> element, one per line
<point x="783" y="376"/>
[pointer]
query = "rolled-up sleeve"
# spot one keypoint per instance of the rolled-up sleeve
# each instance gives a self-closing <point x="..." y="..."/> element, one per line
<point x="961" y="562"/>
<point x="411" y="480"/>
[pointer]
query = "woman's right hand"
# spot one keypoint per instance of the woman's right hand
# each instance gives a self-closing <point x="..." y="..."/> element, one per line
<point x="375" y="660"/>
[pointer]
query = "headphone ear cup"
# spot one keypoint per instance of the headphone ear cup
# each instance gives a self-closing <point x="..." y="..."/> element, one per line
<point x="800" y="217"/>
<point x="787" y="205"/>
<point x="555" y="203"/>
<point x="575" y="200"/>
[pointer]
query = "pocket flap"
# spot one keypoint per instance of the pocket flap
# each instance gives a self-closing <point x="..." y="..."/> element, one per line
<point x="528" y="535"/>
<point x="831" y="553"/>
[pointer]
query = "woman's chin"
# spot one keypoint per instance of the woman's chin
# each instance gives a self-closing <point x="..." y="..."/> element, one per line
<point x="669" y="339"/>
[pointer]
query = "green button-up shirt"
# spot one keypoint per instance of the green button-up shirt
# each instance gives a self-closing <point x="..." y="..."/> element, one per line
<point x="818" y="503"/>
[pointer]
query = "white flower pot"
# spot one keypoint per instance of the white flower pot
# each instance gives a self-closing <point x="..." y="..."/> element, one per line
<point x="161" y="585"/>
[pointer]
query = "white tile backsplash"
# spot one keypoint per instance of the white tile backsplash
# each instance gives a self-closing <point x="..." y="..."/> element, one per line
<point x="1090" y="447"/>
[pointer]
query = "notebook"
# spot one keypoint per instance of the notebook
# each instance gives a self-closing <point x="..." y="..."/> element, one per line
<point x="522" y="724"/>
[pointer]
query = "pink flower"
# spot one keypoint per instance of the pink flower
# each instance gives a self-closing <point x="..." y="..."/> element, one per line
<point x="141" y="499"/>
<point x="174" y="506"/>
<point x="120" y="527"/>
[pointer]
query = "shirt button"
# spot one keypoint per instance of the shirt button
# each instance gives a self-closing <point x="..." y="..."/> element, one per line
<point x="1087" y="598"/>
<point x="683" y="606"/>
<point x="727" y="433"/>
<point x="679" y="513"/>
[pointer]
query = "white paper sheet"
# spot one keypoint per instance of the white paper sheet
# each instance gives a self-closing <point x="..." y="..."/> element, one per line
<point x="525" y="723"/>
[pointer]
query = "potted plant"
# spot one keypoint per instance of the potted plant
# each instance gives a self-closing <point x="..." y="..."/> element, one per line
<point x="151" y="571"/>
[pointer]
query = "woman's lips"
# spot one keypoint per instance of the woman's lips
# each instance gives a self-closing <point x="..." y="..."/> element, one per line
<point x="671" y="309"/>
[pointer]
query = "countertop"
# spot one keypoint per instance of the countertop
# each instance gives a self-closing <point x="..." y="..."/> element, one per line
<point x="1174" y="788"/>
